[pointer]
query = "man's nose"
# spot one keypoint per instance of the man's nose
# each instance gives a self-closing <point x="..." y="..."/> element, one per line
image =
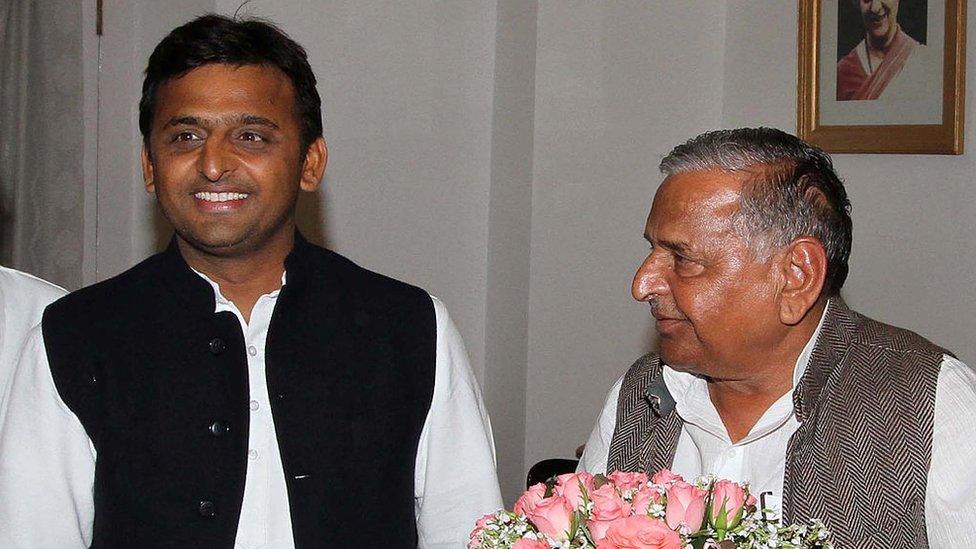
<point x="649" y="281"/>
<point x="215" y="161"/>
<point x="875" y="6"/>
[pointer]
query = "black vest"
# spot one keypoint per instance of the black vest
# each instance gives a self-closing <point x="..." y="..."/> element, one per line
<point x="159" y="382"/>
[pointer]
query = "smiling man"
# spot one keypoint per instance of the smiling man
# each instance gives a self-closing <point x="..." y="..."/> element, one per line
<point x="244" y="388"/>
<point x="765" y="375"/>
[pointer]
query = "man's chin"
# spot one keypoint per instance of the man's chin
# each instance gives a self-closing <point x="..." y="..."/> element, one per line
<point x="676" y="359"/>
<point x="221" y="245"/>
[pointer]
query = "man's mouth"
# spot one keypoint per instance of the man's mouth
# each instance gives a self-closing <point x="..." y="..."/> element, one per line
<point x="219" y="197"/>
<point x="665" y="322"/>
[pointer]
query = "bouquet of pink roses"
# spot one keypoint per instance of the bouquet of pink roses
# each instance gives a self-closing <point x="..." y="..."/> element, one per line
<point x="630" y="511"/>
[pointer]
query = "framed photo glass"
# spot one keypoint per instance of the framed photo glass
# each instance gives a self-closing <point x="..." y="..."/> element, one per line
<point x="882" y="76"/>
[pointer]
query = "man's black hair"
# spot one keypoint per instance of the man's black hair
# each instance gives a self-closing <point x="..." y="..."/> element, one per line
<point x="218" y="39"/>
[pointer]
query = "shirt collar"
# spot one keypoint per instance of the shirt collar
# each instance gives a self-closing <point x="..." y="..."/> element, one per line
<point x="221" y="303"/>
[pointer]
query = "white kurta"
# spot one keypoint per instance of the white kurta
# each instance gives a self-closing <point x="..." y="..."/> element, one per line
<point x="23" y="298"/>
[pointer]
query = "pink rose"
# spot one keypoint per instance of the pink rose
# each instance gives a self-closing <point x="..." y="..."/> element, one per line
<point x="643" y="500"/>
<point x="665" y="476"/>
<point x="686" y="505"/>
<point x="525" y="543"/>
<point x="571" y="485"/>
<point x="640" y="533"/>
<point x="479" y="527"/>
<point x="553" y="517"/>
<point x="627" y="481"/>
<point x="530" y="499"/>
<point x="607" y="507"/>
<point x="725" y="509"/>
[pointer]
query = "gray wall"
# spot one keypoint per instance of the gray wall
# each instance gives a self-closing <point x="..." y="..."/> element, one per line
<point x="127" y="225"/>
<point x="502" y="154"/>
<point x="609" y="104"/>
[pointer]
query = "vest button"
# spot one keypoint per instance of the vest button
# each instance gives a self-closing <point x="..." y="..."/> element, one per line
<point x="207" y="509"/>
<point x="217" y="346"/>
<point x="218" y="428"/>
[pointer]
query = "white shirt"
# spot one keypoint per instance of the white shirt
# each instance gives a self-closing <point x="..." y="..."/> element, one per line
<point x="23" y="298"/>
<point x="47" y="460"/>
<point x="704" y="446"/>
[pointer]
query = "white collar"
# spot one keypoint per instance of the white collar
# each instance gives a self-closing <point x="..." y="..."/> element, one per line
<point x="221" y="303"/>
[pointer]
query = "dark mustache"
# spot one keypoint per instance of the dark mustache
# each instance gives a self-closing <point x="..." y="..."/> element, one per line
<point x="657" y="310"/>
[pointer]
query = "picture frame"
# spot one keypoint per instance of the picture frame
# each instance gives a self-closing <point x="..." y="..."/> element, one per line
<point x="845" y="107"/>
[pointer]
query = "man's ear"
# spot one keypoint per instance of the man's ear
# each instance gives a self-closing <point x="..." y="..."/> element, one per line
<point x="147" y="170"/>
<point x="804" y="269"/>
<point x="316" y="157"/>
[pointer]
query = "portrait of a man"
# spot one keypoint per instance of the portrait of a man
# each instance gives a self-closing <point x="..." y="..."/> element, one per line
<point x="879" y="48"/>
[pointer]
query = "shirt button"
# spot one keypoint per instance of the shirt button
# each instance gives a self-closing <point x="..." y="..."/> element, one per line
<point x="254" y="406"/>
<point x="252" y="454"/>
<point x="206" y="509"/>
<point x="252" y="350"/>
<point x="217" y="346"/>
<point x="218" y="428"/>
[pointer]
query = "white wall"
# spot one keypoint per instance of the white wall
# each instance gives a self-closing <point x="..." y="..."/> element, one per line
<point x="912" y="263"/>
<point x="618" y="84"/>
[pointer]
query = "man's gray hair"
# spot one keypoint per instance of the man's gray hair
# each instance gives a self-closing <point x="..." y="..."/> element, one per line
<point x="793" y="191"/>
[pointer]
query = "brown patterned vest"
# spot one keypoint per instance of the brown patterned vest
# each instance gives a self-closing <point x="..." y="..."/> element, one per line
<point x="860" y="458"/>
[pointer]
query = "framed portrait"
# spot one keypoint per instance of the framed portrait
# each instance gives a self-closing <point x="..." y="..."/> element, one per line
<point x="882" y="76"/>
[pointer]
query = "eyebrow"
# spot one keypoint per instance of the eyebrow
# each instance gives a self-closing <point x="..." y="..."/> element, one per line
<point x="230" y="120"/>
<point x="673" y="245"/>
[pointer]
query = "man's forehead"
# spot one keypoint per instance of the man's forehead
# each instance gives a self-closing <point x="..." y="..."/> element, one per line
<point x="217" y="84"/>
<point x="700" y="193"/>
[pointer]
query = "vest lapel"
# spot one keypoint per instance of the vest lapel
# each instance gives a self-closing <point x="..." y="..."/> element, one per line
<point x="646" y="434"/>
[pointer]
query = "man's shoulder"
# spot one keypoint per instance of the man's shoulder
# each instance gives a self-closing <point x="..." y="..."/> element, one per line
<point x="874" y="333"/>
<point x="21" y="286"/>
<point x="364" y="284"/>
<point x="116" y="294"/>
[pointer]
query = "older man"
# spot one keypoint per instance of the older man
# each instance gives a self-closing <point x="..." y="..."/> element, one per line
<point x="766" y="376"/>
<point x="245" y="388"/>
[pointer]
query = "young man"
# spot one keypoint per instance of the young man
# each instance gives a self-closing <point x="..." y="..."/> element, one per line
<point x="244" y="388"/>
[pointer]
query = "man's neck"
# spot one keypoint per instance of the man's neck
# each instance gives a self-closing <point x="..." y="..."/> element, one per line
<point x="741" y="402"/>
<point x="245" y="278"/>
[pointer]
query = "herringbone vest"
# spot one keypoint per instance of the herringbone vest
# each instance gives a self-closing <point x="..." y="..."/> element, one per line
<point x="860" y="458"/>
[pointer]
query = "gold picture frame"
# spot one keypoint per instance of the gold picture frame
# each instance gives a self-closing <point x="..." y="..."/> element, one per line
<point x="835" y="135"/>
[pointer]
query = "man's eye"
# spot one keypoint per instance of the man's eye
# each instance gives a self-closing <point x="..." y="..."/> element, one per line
<point x="687" y="267"/>
<point x="252" y="137"/>
<point x="185" y="136"/>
